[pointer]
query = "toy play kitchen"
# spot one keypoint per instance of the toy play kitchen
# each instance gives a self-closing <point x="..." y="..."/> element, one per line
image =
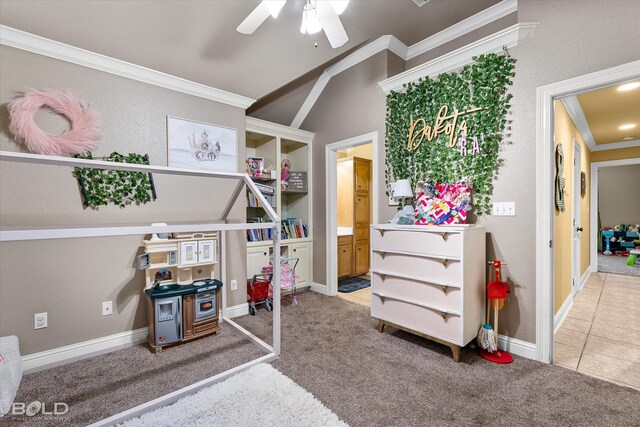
<point x="181" y="291"/>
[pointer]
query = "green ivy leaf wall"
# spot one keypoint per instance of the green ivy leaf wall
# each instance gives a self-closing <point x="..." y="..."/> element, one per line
<point x="100" y="187"/>
<point x="482" y="84"/>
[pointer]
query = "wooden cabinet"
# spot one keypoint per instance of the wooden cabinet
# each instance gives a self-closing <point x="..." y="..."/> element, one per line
<point x="429" y="281"/>
<point x="361" y="215"/>
<point x="354" y="211"/>
<point x="345" y="256"/>
<point x="257" y="257"/>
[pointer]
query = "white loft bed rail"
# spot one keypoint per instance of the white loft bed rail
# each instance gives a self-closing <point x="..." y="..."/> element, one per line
<point x="16" y="233"/>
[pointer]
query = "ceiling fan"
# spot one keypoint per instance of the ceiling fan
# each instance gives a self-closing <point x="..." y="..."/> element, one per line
<point x="317" y="15"/>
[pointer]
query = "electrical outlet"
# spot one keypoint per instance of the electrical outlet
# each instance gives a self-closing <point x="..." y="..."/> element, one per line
<point x="234" y="285"/>
<point x="40" y="320"/>
<point x="107" y="308"/>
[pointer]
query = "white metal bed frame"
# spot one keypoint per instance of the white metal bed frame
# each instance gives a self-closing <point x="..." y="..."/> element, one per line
<point x="8" y="234"/>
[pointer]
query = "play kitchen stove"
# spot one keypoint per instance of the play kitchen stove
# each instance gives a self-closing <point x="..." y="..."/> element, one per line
<point x="180" y="313"/>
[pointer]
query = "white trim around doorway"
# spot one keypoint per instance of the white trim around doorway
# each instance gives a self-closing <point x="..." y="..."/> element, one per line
<point x="595" y="167"/>
<point x="331" y="150"/>
<point x="545" y="95"/>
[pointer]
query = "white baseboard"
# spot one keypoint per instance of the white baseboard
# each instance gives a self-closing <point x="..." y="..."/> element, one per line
<point x="562" y="313"/>
<point x="584" y="277"/>
<point x="518" y="347"/>
<point x="69" y="353"/>
<point x="238" y="310"/>
<point x="320" y="288"/>
<point x="566" y="305"/>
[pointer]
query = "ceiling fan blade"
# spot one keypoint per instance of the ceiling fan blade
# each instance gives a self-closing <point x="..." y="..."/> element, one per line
<point x="254" y="20"/>
<point x="331" y="24"/>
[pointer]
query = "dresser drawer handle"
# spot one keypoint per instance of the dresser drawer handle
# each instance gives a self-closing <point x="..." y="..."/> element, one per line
<point x="444" y="289"/>
<point x="444" y="236"/>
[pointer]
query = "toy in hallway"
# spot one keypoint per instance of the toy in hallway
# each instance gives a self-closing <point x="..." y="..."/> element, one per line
<point x="285" y="172"/>
<point x="607" y="234"/>
<point x="496" y="295"/>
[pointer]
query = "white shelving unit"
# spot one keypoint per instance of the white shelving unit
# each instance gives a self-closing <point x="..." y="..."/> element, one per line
<point x="274" y="143"/>
<point x="243" y="181"/>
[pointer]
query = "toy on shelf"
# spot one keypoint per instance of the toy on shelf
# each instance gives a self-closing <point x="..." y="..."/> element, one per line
<point x="284" y="174"/>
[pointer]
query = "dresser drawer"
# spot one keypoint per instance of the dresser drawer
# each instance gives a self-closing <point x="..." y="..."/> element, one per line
<point x="420" y="319"/>
<point x="429" y="268"/>
<point x="447" y="298"/>
<point x="424" y="242"/>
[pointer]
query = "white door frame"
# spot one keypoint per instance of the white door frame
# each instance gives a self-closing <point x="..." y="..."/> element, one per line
<point x="594" y="235"/>
<point x="576" y="220"/>
<point x="545" y="95"/>
<point x="331" y="157"/>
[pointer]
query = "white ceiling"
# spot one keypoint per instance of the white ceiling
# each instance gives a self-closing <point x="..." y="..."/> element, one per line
<point x="197" y="40"/>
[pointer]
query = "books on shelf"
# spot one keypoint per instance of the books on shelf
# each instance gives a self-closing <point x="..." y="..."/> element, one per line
<point x="268" y="192"/>
<point x="292" y="228"/>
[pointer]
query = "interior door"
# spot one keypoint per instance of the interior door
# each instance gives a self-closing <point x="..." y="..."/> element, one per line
<point x="577" y="229"/>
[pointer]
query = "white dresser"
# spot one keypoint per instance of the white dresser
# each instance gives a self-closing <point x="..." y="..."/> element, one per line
<point x="429" y="280"/>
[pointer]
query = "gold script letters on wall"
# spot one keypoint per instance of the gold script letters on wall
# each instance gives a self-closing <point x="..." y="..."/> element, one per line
<point x="432" y="131"/>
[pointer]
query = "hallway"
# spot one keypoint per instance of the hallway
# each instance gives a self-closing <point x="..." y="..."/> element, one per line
<point x="600" y="336"/>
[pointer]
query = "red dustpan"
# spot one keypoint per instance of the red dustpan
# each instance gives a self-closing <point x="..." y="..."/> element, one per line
<point x="496" y="294"/>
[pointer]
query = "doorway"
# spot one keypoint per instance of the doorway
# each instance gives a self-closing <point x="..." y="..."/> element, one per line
<point x="352" y="153"/>
<point x="586" y="338"/>
<point x="544" y="189"/>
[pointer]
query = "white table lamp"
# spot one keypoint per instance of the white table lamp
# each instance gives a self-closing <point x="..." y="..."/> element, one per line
<point x="402" y="191"/>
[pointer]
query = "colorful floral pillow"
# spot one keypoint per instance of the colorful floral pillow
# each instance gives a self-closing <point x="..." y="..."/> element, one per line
<point x="443" y="204"/>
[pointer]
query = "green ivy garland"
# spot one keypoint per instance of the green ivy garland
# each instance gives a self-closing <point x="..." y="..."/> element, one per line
<point x="100" y="187"/>
<point x="482" y="84"/>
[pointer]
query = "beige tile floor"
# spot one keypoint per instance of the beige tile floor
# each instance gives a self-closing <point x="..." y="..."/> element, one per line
<point x="600" y="336"/>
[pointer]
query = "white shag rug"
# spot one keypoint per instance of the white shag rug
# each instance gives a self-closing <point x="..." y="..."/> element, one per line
<point x="261" y="395"/>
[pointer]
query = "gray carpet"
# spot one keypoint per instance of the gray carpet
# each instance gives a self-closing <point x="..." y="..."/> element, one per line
<point x="105" y="385"/>
<point x="331" y="348"/>
<point x="617" y="264"/>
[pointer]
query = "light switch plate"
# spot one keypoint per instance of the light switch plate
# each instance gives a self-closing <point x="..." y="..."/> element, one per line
<point x="503" y="209"/>
<point x="234" y="285"/>
<point x="107" y="308"/>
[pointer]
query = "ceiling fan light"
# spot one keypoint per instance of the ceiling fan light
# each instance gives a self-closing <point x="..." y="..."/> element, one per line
<point x="310" y="22"/>
<point x="274" y="6"/>
<point x="339" y="5"/>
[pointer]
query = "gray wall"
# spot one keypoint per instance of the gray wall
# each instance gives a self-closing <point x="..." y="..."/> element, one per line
<point x="574" y="38"/>
<point x="352" y="104"/>
<point x="618" y="199"/>
<point x="70" y="278"/>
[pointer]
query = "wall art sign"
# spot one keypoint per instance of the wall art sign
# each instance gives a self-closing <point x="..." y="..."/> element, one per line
<point x="197" y="145"/>
<point x="450" y="128"/>
<point x="445" y="123"/>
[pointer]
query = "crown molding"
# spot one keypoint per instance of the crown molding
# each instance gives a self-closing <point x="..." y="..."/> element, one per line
<point x="507" y="38"/>
<point x="403" y="51"/>
<point x="42" y="46"/>
<point x="472" y="23"/>
<point x="573" y="107"/>
<point x="269" y="128"/>
<point x="378" y="45"/>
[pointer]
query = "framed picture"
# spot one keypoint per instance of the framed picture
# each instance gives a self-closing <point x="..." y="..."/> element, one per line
<point x="196" y="145"/>
<point x="255" y="166"/>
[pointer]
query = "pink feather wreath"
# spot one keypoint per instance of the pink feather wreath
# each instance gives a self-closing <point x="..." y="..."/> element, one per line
<point x="82" y="137"/>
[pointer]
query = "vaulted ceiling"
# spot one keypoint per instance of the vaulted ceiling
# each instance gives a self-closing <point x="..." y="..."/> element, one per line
<point x="198" y="41"/>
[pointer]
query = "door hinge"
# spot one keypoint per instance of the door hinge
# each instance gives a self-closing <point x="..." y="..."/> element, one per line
<point x="550" y="243"/>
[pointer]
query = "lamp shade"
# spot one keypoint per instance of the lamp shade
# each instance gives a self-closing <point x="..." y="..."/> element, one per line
<point x="402" y="189"/>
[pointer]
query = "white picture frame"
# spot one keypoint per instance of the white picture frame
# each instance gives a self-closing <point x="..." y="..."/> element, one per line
<point x="198" y="145"/>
